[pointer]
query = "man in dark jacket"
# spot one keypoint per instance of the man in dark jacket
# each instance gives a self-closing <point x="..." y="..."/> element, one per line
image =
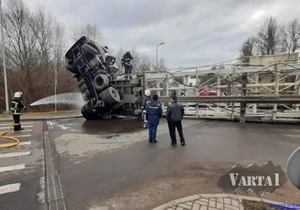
<point x="153" y="114"/>
<point x="175" y="112"/>
<point x="126" y="62"/>
<point x="16" y="108"/>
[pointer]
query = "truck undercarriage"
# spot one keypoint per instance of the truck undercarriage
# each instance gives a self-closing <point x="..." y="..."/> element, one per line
<point x="105" y="90"/>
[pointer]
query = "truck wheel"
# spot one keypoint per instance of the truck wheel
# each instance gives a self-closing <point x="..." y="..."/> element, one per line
<point x="111" y="96"/>
<point x="87" y="112"/>
<point x="101" y="81"/>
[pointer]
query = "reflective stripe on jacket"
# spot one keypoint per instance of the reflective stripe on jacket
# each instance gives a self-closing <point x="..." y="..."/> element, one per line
<point x="126" y="61"/>
<point x="16" y="106"/>
<point x="145" y="101"/>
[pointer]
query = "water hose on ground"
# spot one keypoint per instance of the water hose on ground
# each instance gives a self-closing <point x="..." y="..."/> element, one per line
<point x="15" y="140"/>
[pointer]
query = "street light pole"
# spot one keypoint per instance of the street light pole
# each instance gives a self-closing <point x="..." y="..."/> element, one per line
<point x="3" y="61"/>
<point x="156" y="61"/>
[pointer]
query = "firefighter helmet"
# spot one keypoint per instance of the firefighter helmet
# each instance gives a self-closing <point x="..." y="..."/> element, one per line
<point x="147" y="92"/>
<point x="18" y="94"/>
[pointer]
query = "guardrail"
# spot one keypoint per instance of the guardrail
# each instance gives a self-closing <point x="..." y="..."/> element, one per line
<point x="295" y="99"/>
<point x="232" y="101"/>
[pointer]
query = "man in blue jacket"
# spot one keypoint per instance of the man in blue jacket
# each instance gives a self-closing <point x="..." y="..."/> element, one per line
<point x="153" y="114"/>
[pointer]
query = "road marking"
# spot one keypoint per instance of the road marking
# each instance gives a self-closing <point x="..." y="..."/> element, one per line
<point x="26" y="135"/>
<point x="22" y="123"/>
<point x="25" y="143"/>
<point x="292" y="136"/>
<point x="14" y="154"/>
<point x="10" y="188"/>
<point x="25" y="126"/>
<point x="12" y="168"/>
<point x="13" y="132"/>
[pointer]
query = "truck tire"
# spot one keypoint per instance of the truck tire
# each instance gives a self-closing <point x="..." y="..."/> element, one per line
<point x="111" y="96"/>
<point x="101" y="81"/>
<point x="88" y="113"/>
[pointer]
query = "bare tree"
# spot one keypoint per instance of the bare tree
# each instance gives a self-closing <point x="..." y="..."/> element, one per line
<point x="292" y="36"/>
<point x="247" y="49"/>
<point x="34" y="46"/>
<point x="269" y="38"/>
<point x="91" y="31"/>
<point x="21" y="42"/>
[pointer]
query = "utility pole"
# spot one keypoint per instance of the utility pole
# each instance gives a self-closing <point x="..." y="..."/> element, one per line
<point x="3" y="62"/>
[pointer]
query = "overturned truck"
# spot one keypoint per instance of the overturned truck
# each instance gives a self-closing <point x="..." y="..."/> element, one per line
<point x="105" y="90"/>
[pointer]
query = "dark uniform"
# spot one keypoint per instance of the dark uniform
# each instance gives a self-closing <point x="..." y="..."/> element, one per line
<point x="126" y="62"/>
<point x="175" y="112"/>
<point x="16" y="108"/>
<point x="153" y="114"/>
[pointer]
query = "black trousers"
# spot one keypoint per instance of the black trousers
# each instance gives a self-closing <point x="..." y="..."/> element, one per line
<point x="172" y="125"/>
<point x="17" y="125"/>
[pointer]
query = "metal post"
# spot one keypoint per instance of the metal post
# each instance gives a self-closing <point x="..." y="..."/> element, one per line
<point x="297" y="90"/>
<point x="156" y="61"/>
<point x="243" y="107"/>
<point x="55" y="88"/>
<point x="167" y="84"/>
<point x="158" y="87"/>
<point x="197" y="78"/>
<point x="276" y="90"/>
<point x="218" y="90"/>
<point x="3" y="61"/>
<point x="256" y="76"/>
<point x="233" y="92"/>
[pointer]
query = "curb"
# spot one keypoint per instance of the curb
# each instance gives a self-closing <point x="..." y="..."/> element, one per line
<point x="199" y="196"/>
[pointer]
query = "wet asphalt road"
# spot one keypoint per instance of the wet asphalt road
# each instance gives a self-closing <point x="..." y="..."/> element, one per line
<point x="109" y="164"/>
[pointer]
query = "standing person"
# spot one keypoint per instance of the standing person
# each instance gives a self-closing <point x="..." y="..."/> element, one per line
<point x="110" y="61"/>
<point x="175" y="112"/>
<point x="126" y="62"/>
<point x="153" y="114"/>
<point x="146" y="99"/>
<point x="16" y="108"/>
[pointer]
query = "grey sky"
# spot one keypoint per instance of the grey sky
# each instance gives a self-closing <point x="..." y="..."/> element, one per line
<point x="195" y="32"/>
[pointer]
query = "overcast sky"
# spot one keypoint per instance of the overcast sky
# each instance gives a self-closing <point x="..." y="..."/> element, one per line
<point x="195" y="32"/>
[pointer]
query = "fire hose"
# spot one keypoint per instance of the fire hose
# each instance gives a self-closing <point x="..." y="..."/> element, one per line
<point x="14" y="140"/>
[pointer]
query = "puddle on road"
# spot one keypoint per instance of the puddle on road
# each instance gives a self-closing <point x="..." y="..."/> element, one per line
<point x="105" y="137"/>
<point x="115" y="126"/>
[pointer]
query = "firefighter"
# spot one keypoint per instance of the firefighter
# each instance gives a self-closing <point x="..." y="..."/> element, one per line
<point x="126" y="63"/>
<point x="145" y="101"/>
<point x="16" y="108"/>
<point x="110" y="61"/>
